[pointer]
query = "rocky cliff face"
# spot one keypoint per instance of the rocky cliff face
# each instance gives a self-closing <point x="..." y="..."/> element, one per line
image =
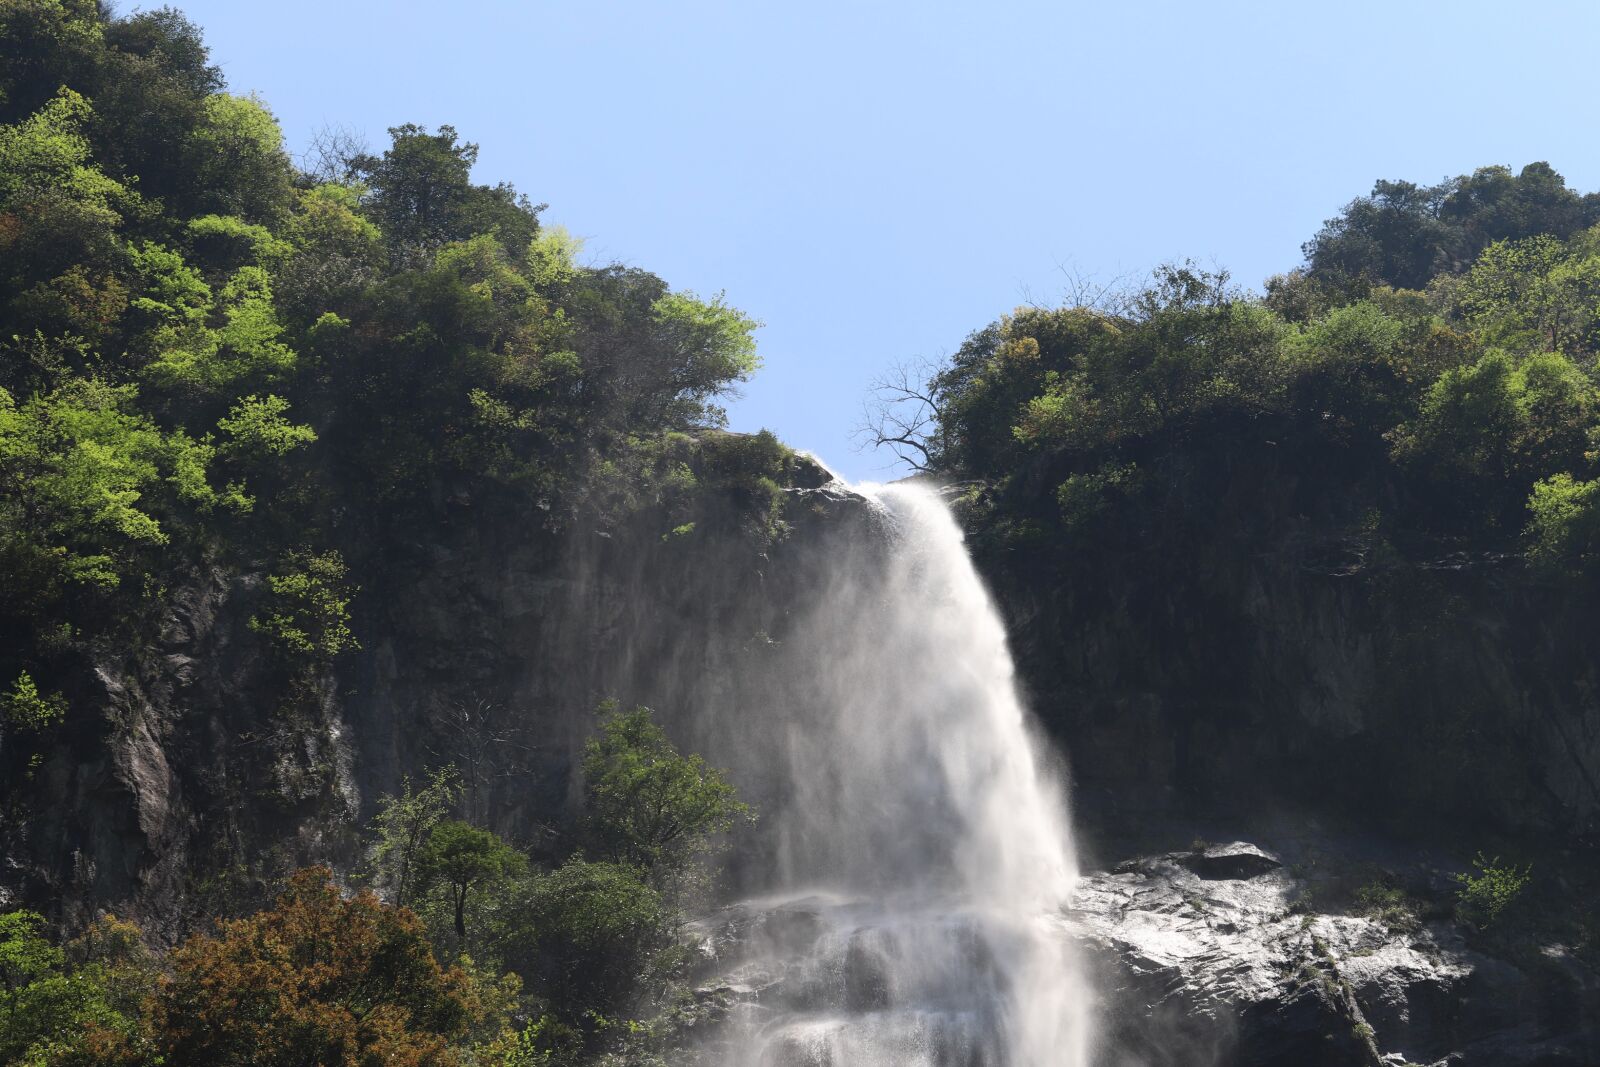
<point x="186" y="783"/>
<point x="1250" y="666"/>
<point x="1452" y="696"/>
<point x="181" y="759"/>
<point x="1235" y="657"/>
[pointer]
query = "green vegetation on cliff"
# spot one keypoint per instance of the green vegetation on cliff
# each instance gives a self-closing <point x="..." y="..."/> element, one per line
<point x="210" y="353"/>
<point x="216" y="361"/>
<point x="1333" y="544"/>
<point x="1430" y="372"/>
<point x="574" y="962"/>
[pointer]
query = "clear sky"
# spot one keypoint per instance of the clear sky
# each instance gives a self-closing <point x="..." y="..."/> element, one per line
<point x="875" y="180"/>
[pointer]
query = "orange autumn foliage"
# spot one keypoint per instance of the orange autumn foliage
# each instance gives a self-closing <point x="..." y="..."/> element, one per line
<point x="318" y="979"/>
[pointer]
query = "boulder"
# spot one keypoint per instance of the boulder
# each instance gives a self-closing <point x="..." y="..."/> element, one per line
<point x="1211" y="957"/>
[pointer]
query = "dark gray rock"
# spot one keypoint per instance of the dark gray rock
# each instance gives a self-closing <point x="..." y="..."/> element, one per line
<point x="1247" y="651"/>
<point x="1238" y="860"/>
<point x="188" y="778"/>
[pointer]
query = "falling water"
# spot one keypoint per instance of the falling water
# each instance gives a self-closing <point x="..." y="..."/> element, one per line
<point x="923" y="852"/>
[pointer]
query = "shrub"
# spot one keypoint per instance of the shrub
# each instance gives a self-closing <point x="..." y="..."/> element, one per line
<point x="1388" y="904"/>
<point x="1563" y="529"/>
<point x="1084" y="497"/>
<point x="316" y="979"/>
<point x="651" y="807"/>
<point x="257" y="427"/>
<point x="597" y="935"/>
<point x="1485" y="897"/>
<point x="25" y="708"/>
<point x="309" y="618"/>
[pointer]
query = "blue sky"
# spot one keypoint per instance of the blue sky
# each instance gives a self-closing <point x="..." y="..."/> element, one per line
<point x="876" y="180"/>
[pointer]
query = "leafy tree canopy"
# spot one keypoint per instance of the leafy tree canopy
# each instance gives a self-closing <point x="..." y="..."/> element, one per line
<point x="1432" y="363"/>
<point x="651" y="807"/>
<point x="316" y="979"/>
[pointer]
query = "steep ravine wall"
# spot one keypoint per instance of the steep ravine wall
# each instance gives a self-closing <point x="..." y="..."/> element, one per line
<point x="1455" y="695"/>
<point x="184" y="785"/>
<point x="177" y="767"/>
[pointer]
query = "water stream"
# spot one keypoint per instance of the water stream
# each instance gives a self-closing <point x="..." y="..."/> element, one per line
<point x="925" y="854"/>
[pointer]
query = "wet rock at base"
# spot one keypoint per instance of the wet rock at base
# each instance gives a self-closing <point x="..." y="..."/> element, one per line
<point x="1232" y="861"/>
<point x="1209" y="957"/>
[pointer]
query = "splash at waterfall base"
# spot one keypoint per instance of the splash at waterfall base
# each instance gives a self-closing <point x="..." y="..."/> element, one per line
<point x="1207" y="957"/>
<point x="908" y="912"/>
<point x="822" y="981"/>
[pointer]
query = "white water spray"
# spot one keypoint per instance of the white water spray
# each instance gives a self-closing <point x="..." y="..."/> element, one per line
<point x="923" y="852"/>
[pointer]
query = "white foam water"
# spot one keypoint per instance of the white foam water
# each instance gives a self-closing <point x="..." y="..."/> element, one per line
<point x="925" y="853"/>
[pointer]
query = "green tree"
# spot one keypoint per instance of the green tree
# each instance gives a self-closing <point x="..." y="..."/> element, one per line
<point x="156" y="97"/>
<point x="1485" y="432"/>
<point x="1404" y="234"/>
<point x="258" y="429"/>
<point x="653" y="358"/>
<point x="45" y="44"/>
<point x="712" y="345"/>
<point x="1487" y="896"/>
<point x="26" y="708"/>
<point x="317" y="978"/>
<point x="25" y="955"/>
<point x="402" y="825"/>
<point x="461" y="860"/>
<point x="651" y="807"/>
<point x="1559" y="405"/>
<point x="1393" y="236"/>
<point x="308" y="618"/>
<point x="1360" y="369"/>
<point x="166" y="35"/>
<point x="596" y="937"/>
<point x="1493" y="204"/>
<point x="62" y="213"/>
<point x="1533" y="294"/>
<point x="421" y="194"/>
<point x="335" y="255"/>
<point x="1020" y="381"/>
<point x="240" y="347"/>
<point x="1563" y="530"/>
<point x="71" y="1005"/>
<point x="237" y="161"/>
<point x="87" y="479"/>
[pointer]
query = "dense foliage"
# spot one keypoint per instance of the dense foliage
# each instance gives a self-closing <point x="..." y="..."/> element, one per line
<point x="315" y="979"/>
<point x="77" y="1003"/>
<point x="210" y="356"/>
<point x="1426" y="381"/>
<point x="572" y="962"/>
<point x="217" y="363"/>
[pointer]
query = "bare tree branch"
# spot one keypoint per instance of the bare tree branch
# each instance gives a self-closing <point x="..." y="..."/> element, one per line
<point x="1090" y="291"/>
<point x="331" y="153"/>
<point x="902" y="413"/>
<point x="486" y="742"/>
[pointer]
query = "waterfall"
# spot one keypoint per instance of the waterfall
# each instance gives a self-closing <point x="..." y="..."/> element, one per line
<point x="922" y="853"/>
